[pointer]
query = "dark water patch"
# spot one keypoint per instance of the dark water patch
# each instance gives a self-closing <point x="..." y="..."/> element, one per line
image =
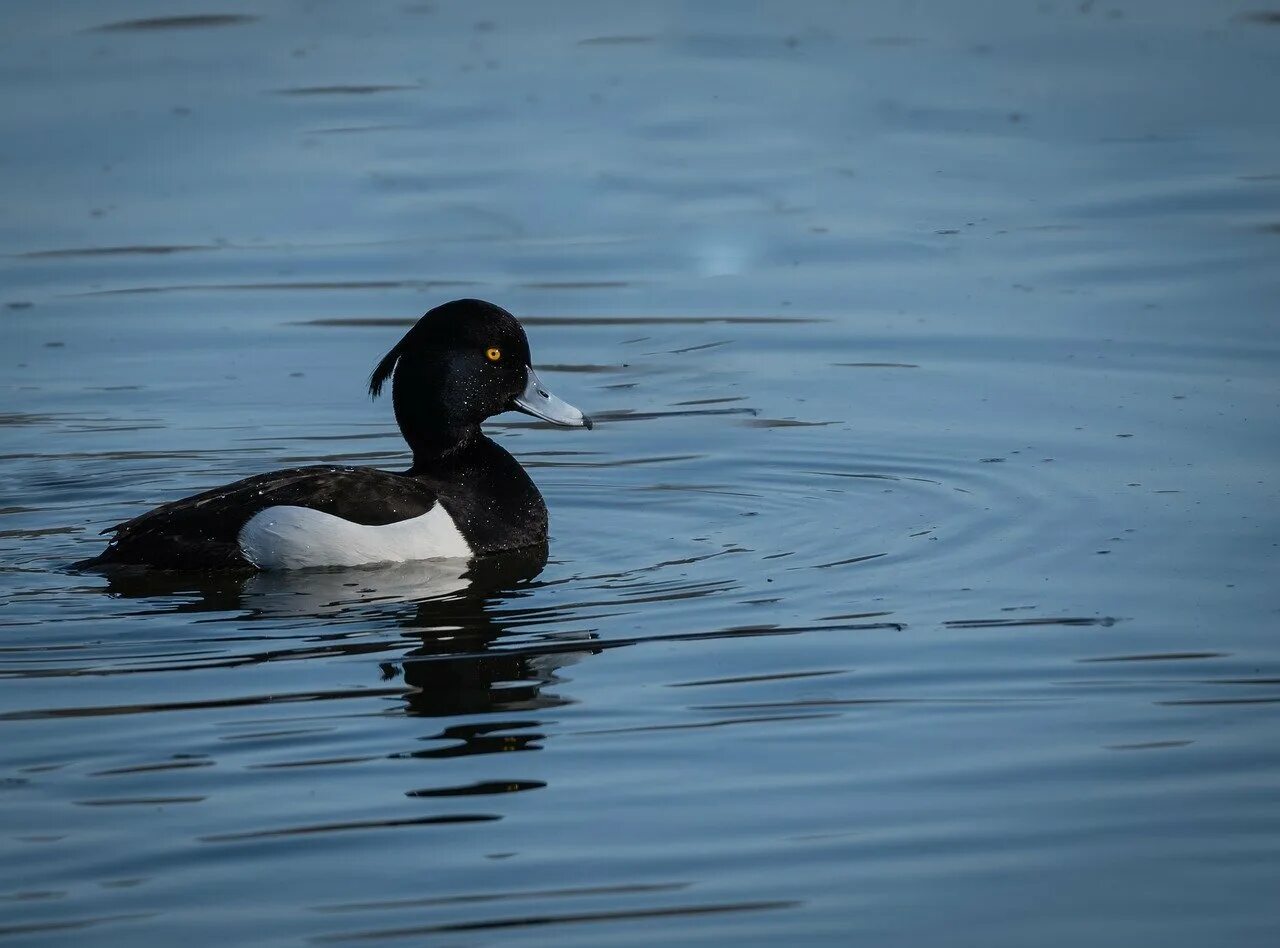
<point x="1211" y="702"/>
<point x="1103" y="621"/>
<point x="576" y="285"/>
<point x="876" y="365"/>
<point x="357" y="436"/>
<point x="863" y="702"/>
<point x="98" y="428"/>
<point x="349" y="826"/>
<point x="620" y="40"/>
<point x="345" y="458"/>
<point x="580" y="368"/>
<point x="177" y="454"/>
<point x="190" y="22"/>
<point x="740" y="632"/>
<point x="139" y="801"/>
<point x="626" y="414"/>
<point x="362" y="322"/>
<point x="358" y="129"/>
<point x="698" y="348"/>
<point x="11" y="419"/>
<point x="282" y="734"/>
<point x="44" y="647"/>
<point x="1150" y="138"/>
<point x="786" y="423"/>
<point x="70" y="924"/>
<point x="33" y="895"/>
<point x="1157" y="657"/>
<point x="667" y="321"/>
<point x="701" y="725"/>
<point x="1150" y="745"/>
<point x="749" y="679"/>
<point x="405" y="322"/>
<point x="153" y="768"/>
<point x="480" y="788"/>
<point x="286" y="286"/>
<point x="1264" y="17"/>
<point x="894" y="41"/>
<point x="712" y="401"/>
<point x="135" y="250"/>
<point x="578" y="918"/>
<point x="193" y="659"/>
<point x="39" y="532"/>
<point x="846" y="562"/>
<point x="339" y="90"/>
<point x="721" y="490"/>
<point x="314" y="762"/>
<point x="518" y="895"/>
<point x="611" y="463"/>
<point x="1242" y="681"/>
<point x="204" y="704"/>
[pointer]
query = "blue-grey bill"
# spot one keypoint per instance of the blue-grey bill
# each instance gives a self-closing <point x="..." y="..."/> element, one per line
<point x="537" y="401"/>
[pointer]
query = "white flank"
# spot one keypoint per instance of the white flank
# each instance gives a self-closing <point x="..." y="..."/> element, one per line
<point x="298" y="537"/>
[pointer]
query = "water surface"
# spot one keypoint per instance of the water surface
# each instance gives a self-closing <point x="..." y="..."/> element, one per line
<point x="916" y="586"/>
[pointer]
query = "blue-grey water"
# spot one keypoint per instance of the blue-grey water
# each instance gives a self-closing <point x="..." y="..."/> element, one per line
<point x="918" y="585"/>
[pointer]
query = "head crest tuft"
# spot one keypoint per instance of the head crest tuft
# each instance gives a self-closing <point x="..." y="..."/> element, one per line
<point x="383" y="370"/>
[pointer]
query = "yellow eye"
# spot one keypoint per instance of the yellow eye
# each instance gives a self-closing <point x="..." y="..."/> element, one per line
<point x="493" y="353"/>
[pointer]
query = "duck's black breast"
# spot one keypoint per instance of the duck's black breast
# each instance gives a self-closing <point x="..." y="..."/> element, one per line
<point x="491" y="501"/>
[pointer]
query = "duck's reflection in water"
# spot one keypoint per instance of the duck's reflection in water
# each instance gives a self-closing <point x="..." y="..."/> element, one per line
<point x="461" y="666"/>
<point x="455" y="613"/>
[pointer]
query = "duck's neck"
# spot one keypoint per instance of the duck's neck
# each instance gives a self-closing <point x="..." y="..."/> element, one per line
<point x="434" y="448"/>
<point x="437" y="428"/>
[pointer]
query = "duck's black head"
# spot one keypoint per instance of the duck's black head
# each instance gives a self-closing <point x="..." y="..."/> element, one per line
<point x="461" y="363"/>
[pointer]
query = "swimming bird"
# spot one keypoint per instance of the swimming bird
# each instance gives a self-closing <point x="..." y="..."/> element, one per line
<point x="461" y="363"/>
